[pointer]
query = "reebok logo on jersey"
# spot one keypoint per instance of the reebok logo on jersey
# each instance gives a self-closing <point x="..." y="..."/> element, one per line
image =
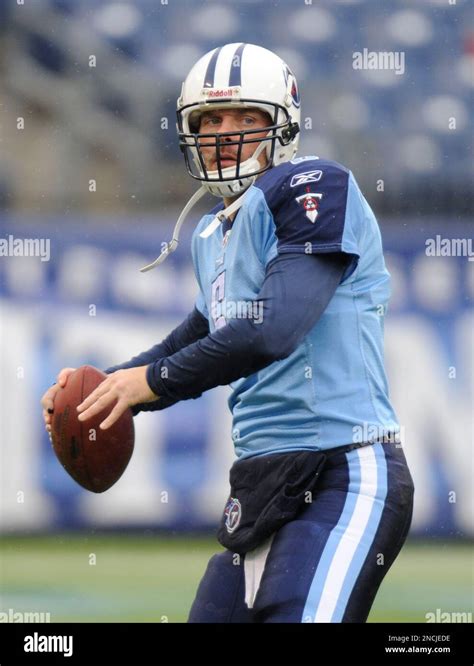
<point x="306" y="177"/>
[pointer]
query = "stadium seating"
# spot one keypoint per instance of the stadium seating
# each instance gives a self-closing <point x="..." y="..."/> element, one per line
<point x="396" y="125"/>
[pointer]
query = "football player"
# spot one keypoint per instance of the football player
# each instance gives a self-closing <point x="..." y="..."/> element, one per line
<point x="293" y="290"/>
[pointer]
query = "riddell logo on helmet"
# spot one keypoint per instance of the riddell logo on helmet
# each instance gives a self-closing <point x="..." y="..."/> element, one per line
<point x="212" y="93"/>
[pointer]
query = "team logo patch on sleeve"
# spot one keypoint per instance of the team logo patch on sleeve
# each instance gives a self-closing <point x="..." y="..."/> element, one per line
<point x="310" y="203"/>
<point x="233" y="514"/>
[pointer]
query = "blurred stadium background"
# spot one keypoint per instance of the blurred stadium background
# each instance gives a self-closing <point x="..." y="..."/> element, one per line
<point x="67" y="120"/>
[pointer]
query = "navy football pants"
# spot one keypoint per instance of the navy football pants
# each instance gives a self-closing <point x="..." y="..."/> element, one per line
<point x="328" y="563"/>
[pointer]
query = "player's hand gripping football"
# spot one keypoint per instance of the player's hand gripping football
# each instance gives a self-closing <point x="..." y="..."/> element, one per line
<point x="47" y="401"/>
<point x="125" y="387"/>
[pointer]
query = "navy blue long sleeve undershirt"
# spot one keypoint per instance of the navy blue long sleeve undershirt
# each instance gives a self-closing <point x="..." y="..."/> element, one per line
<point x="295" y="292"/>
<point x="194" y="327"/>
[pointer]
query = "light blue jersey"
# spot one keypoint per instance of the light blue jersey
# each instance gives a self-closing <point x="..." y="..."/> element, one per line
<point x="332" y="390"/>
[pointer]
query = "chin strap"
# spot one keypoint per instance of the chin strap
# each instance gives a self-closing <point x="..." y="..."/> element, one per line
<point x="223" y="215"/>
<point x="173" y="244"/>
<point x="218" y="219"/>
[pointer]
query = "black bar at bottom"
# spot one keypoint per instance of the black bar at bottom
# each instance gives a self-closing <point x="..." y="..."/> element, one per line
<point x="317" y="644"/>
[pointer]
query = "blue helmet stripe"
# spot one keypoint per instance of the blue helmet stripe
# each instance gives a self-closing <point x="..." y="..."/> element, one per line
<point x="211" y="69"/>
<point x="235" y="77"/>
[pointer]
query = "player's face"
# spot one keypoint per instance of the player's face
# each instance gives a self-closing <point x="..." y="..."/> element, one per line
<point x="230" y="120"/>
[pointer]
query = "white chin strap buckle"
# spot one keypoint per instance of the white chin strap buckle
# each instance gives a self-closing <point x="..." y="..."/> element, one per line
<point x="223" y="215"/>
<point x="173" y="244"/>
<point x="170" y="247"/>
<point x="219" y="218"/>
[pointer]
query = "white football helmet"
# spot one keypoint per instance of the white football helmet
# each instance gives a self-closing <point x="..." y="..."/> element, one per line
<point x="238" y="76"/>
<point x="234" y="76"/>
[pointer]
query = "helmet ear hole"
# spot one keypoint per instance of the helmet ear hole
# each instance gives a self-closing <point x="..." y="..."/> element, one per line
<point x="290" y="132"/>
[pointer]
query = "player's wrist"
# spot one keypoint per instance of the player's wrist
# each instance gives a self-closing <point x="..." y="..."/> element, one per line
<point x="150" y="376"/>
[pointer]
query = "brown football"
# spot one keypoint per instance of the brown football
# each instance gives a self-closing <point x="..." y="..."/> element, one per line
<point x="95" y="458"/>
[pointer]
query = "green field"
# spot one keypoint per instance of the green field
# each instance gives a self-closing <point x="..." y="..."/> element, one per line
<point x="154" y="579"/>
